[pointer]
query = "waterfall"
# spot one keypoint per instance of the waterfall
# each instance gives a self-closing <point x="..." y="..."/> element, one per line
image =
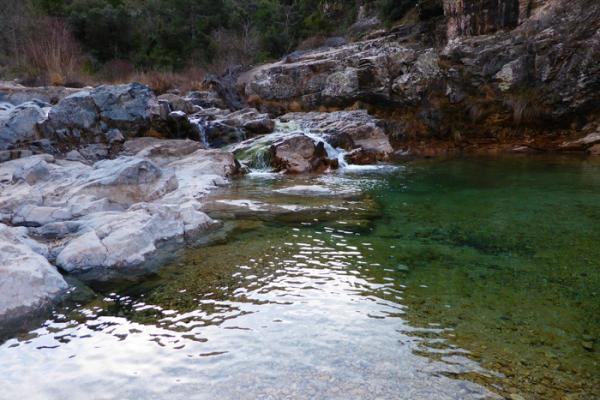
<point x="332" y="153"/>
<point x="197" y="122"/>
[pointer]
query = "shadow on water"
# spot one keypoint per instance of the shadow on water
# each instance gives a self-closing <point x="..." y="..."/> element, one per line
<point x="457" y="279"/>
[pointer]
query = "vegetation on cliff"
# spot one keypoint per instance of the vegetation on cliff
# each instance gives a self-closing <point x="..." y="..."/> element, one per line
<point x="60" y="41"/>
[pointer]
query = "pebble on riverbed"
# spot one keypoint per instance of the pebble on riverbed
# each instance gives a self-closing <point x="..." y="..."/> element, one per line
<point x="588" y="345"/>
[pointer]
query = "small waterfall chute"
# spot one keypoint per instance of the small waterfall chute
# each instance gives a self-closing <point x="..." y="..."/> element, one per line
<point x="202" y="137"/>
<point x="332" y="153"/>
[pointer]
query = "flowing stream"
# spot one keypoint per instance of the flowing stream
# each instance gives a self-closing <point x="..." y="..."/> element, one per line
<point x="445" y="279"/>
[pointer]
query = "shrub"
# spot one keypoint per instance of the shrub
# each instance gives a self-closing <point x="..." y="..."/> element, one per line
<point x="51" y="50"/>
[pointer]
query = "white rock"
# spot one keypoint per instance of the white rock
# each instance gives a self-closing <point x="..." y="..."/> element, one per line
<point x="27" y="280"/>
<point x="115" y="213"/>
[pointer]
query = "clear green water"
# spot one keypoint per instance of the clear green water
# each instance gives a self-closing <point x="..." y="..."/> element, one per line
<point x="455" y="279"/>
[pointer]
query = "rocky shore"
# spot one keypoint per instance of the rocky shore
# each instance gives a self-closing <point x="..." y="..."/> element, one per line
<point x="96" y="184"/>
<point x="94" y="181"/>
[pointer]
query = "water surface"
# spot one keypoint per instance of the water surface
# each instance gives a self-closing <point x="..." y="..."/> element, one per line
<point x="447" y="279"/>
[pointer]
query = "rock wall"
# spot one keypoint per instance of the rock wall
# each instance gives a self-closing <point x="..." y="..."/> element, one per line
<point x="478" y="17"/>
<point x="514" y="69"/>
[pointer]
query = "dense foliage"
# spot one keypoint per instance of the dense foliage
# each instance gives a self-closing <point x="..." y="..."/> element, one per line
<point x="176" y="34"/>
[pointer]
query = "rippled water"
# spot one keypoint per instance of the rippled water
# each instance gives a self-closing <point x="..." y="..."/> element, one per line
<point x="458" y="279"/>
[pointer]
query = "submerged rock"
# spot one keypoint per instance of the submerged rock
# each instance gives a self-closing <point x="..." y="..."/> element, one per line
<point x="318" y="191"/>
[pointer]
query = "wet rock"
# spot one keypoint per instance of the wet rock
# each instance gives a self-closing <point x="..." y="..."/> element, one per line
<point x="297" y="154"/>
<point x="594" y="150"/>
<point x="584" y="143"/>
<point x="182" y="127"/>
<point x="348" y="130"/>
<point x="28" y="282"/>
<point x="317" y="191"/>
<point x="362" y="157"/>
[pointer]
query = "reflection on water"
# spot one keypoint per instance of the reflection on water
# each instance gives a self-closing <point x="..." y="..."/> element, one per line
<point x="301" y="317"/>
<point x="470" y="280"/>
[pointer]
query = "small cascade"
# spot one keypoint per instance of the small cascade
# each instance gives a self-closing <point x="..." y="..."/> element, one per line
<point x="201" y="131"/>
<point x="261" y="160"/>
<point x="332" y="153"/>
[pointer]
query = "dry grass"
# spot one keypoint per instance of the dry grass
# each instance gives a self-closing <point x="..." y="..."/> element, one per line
<point x="53" y="53"/>
<point x="162" y="82"/>
<point x="526" y="108"/>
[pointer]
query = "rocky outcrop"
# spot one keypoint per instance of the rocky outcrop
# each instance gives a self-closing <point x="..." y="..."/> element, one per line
<point x="221" y="127"/>
<point x="16" y="94"/>
<point x="348" y="130"/>
<point x="28" y="282"/>
<point x="114" y="213"/>
<point x="315" y="142"/>
<point x="87" y="116"/>
<point x="511" y="69"/>
<point x="297" y="154"/>
<point x="92" y="124"/>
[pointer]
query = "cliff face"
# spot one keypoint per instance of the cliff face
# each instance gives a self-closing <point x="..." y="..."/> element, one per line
<point x="477" y="17"/>
<point x="509" y="69"/>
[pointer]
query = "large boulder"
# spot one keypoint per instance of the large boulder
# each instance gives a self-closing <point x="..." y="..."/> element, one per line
<point x="28" y="282"/>
<point x="349" y="130"/>
<point x="298" y="153"/>
<point x="87" y="116"/>
<point x="219" y="127"/>
<point x="18" y="124"/>
<point x="339" y="77"/>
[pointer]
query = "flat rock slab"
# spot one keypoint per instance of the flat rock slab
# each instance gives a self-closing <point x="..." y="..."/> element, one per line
<point x="317" y="191"/>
